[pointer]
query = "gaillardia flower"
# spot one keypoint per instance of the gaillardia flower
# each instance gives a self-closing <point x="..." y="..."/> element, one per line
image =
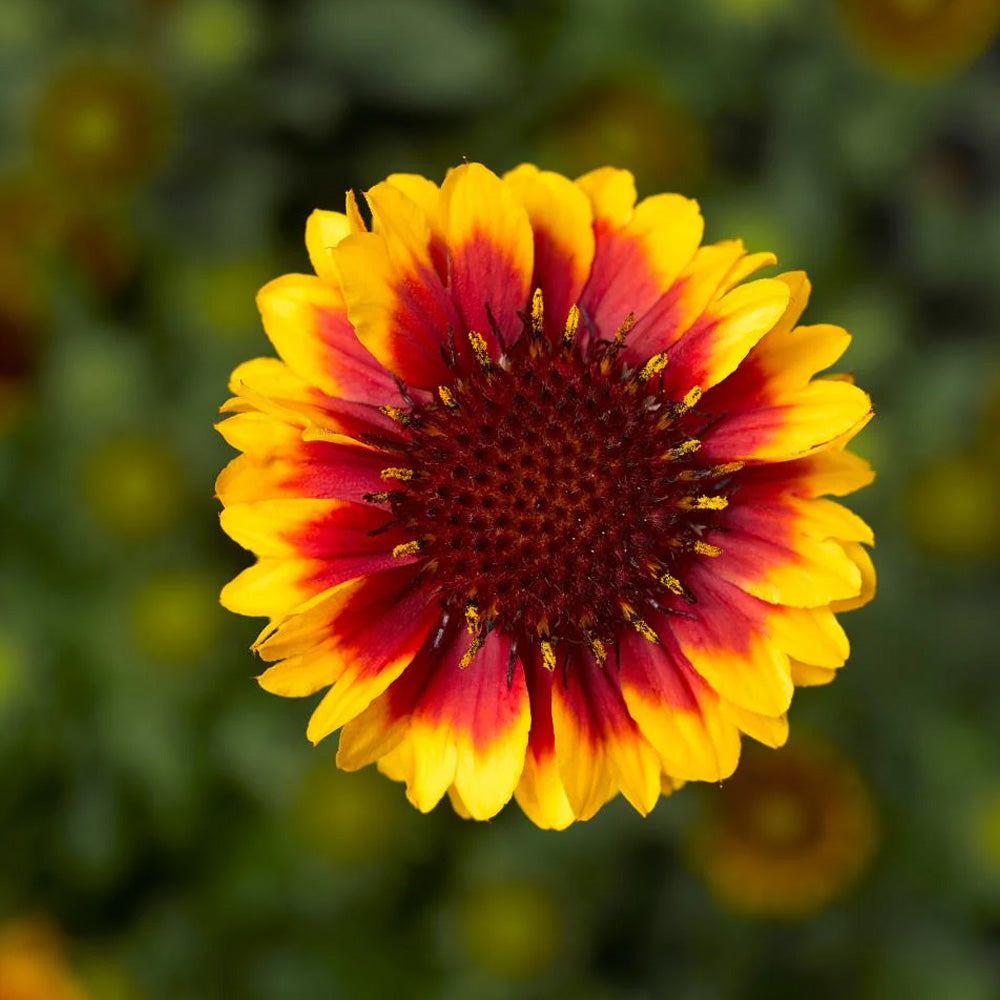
<point x="789" y="834"/>
<point x="537" y="492"/>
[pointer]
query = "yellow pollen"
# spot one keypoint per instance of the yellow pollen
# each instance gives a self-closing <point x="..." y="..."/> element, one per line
<point x="705" y="549"/>
<point x="548" y="655"/>
<point x="572" y="322"/>
<point x="472" y="619"/>
<point x="689" y="447"/>
<point x="478" y="344"/>
<point x="691" y="399"/>
<point x="653" y="366"/>
<point x="537" y="313"/>
<point x="725" y="470"/>
<point x="642" y="627"/>
<point x="672" y="584"/>
<point x="469" y="654"/>
<point x="447" y="397"/>
<point x="406" y="549"/>
<point x="381" y="497"/>
<point x="623" y="330"/>
<point x="704" y="503"/>
<point x="394" y="472"/>
<point x="600" y="653"/>
<point x="395" y="413"/>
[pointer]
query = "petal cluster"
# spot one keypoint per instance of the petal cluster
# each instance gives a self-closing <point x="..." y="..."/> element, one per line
<point x="409" y="325"/>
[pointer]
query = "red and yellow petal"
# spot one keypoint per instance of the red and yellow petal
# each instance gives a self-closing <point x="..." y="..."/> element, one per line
<point x="395" y="297"/>
<point x="639" y="251"/>
<point x="562" y="226"/>
<point x="598" y="744"/>
<point x="786" y="549"/>
<point x="677" y="711"/>
<point x="306" y="546"/>
<point x="268" y="385"/>
<point x="485" y="719"/>
<point x="490" y="252"/>
<point x="358" y="636"/>
<point x="772" y="410"/>
<point x="307" y="321"/>
<point x="277" y="463"/>
<point x="540" y="792"/>
<point x="702" y="281"/>
<point x="723" y="335"/>
<point x="727" y="645"/>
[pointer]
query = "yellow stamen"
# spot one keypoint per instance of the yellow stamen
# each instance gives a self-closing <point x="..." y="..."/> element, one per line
<point x="688" y="447"/>
<point x="478" y="343"/>
<point x="642" y="627"/>
<point x="704" y="503"/>
<point x="406" y="549"/>
<point x="572" y="322"/>
<point x="394" y="472"/>
<point x="472" y="619"/>
<point x="691" y="399"/>
<point x="600" y="653"/>
<point x="706" y="549"/>
<point x="652" y="367"/>
<point x="469" y="654"/>
<point x="381" y="497"/>
<point x="447" y="397"/>
<point x="623" y="330"/>
<point x="395" y="413"/>
<point x="537" y="313"/>
<point x="727" y="468"/>
<point x="672" y="584"/>
<point x="548" y="655"/>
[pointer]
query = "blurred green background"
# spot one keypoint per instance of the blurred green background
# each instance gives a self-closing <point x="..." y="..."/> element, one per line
<point x="165" y="829"/>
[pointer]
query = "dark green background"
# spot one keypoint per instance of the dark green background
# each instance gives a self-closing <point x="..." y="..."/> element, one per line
<point x="167" y="814"/>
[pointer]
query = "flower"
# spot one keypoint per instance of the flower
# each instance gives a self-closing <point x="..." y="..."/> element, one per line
<point x="922" y="38"/>
<point x="537" y="492"/>
<point x="101" y="124"/>
<point x="32" y="964"/>
<point x="789" y="834"/>
<point x="952" y="507"/>
<point x="511" y="928"/>
<point x="133" y="485"/>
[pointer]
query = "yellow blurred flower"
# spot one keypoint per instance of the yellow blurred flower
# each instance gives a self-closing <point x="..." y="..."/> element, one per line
<point x="788" y="834"/>
<point x="922" y="38"/>
<point x="133" y="485"/>
<point x="175" y="617"/>
<point x="33" y="965"/>
<point x="101" y="123"/>
<point x="11" y="667"/>
<point x="514" y="929"/>
<point x="348" y="820"/>
<point x="212" y="37"/>
<point x="952" y="507"/>
<point x="985" y="832"/>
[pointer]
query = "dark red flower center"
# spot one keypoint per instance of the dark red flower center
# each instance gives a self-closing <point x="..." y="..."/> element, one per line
<point x="556" y="496"/>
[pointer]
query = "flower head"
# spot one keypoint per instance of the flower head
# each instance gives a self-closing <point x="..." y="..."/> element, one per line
<point x="101" y="124"/>
<point x="33" y="965"/>
<point x="789" y="834"/>
<point x="922" y="38"/>
<point x="537" y="492"/>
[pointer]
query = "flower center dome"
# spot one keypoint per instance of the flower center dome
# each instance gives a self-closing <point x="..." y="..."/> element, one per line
<point x="554" y="495"/>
